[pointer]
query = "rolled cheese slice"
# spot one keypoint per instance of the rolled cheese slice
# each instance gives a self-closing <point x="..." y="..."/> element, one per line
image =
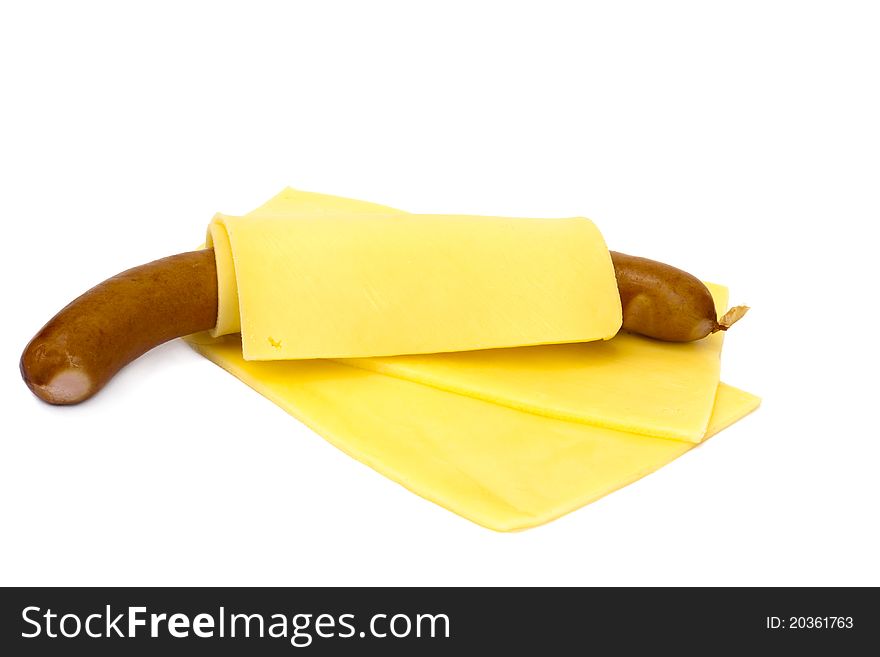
<point x="308" y="280"/>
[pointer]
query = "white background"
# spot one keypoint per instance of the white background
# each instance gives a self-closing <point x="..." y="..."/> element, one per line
<point x="738" y="141"/>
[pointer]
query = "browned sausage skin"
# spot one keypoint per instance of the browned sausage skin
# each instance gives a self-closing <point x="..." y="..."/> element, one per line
<point x="94" y="336"/>
<point x="663" y="302"/>
<point x="97" y="334"/>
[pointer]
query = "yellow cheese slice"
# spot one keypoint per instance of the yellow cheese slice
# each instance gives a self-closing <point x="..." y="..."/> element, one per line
<point x="630" y="383"/>
<point x="502" y="468"/>
<point x="340" y="283"/>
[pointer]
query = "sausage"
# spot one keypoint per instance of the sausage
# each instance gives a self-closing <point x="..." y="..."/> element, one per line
<point x="663" y="302"/>
<point x="94" y="336"/>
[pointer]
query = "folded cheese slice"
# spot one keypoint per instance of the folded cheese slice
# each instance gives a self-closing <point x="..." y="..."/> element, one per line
<point x="302" y="280"/>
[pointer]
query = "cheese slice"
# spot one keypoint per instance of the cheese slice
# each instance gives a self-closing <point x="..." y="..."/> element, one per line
<point x="307" y="284"/>
<point x="630" y="383"/>
<point x="502" y="468"/>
